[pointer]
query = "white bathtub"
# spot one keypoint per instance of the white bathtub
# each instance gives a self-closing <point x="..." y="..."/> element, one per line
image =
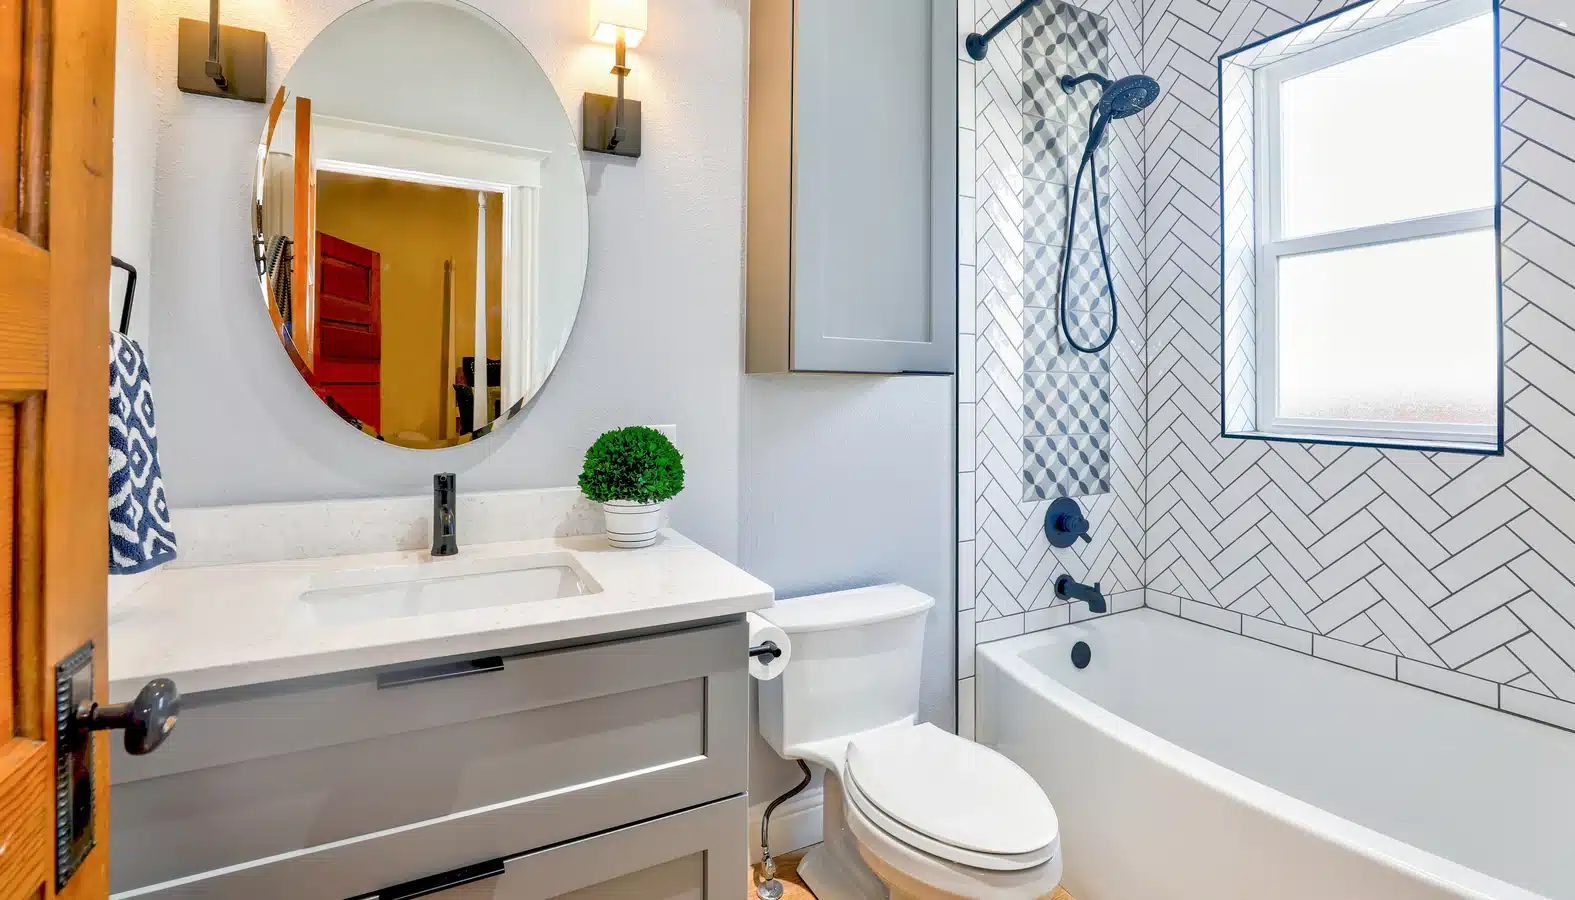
<point x="1187" y="762"/>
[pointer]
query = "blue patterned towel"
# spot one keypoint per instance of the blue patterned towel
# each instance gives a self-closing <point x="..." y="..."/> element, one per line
<point x="140" y="536"/>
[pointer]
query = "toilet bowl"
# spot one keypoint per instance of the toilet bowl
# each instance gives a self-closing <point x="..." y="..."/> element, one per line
<point x="911" y="811"/>
<point x="915" y="812"/>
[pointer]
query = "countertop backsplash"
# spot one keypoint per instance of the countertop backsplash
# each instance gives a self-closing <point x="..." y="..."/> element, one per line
<point x="264" y="532"/>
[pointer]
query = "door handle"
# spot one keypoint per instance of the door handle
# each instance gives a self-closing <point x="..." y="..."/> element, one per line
<point x="147" y="720"/>
<point x="439" y="672"/>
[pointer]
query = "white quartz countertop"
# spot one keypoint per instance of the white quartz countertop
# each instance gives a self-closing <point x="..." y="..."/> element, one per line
<point x="226" y="626"/>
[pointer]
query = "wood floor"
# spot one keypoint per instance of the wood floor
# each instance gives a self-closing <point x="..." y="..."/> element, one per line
<point x="787" y="873"/>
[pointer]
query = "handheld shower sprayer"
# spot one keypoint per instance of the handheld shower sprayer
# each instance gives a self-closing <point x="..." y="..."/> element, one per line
<point x="1118" y="99"/>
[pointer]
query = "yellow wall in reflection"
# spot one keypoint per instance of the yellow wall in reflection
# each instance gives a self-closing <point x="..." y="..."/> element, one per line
<point x="415" y="228"/>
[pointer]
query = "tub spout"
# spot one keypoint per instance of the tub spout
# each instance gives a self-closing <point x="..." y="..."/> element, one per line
<point x="1067" y="589"/>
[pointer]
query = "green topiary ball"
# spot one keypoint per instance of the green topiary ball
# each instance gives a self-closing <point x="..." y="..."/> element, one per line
<point x="636" y="464"/>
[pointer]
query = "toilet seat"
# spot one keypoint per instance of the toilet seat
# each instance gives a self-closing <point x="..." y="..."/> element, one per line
<point x="912" y="874"/>
<point x="950" y="798"/>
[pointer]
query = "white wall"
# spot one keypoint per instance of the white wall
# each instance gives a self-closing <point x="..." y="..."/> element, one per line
<point x="658" y="336"/>
<point x="136" y="141"/>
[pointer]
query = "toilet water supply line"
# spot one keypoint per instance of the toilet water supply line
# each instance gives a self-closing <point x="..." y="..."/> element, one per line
<point x="771" y="888"/>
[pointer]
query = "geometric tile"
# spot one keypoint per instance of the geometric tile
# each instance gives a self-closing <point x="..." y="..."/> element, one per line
<point x="1060" y="39"/>
<point x="1076" y="39"/>
<point x="1044" y="211"/>
<point x="1065" y="393"/>
<point x="1045" y="350"/>
<point x="1073" y="466"/>
<point x="1064" y="403"/>
<point x="1086" y="285"/>
<point x="1047" y="150"/>
<point x="1042" y="265"/>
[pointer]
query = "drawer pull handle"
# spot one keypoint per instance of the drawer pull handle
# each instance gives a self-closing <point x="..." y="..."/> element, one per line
<point x="433" y="884"/>
<point x="439" y="672"/>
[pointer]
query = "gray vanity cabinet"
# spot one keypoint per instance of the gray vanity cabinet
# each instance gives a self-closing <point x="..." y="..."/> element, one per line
<point x="555" y="772"/>
<point x="852" y="210"/>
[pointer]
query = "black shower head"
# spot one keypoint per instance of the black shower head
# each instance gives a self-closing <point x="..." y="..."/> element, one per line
<point x="1128" y="96"/>
<point x="1120" y="98"/>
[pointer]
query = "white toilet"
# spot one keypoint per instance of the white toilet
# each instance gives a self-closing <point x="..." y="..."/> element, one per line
<point x="911" y="810"/>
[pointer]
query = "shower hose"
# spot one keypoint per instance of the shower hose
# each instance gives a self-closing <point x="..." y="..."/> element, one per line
<point x="1094" y="133"/>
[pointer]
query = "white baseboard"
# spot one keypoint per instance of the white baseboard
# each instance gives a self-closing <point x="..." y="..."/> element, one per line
<point x="795" y="825"/>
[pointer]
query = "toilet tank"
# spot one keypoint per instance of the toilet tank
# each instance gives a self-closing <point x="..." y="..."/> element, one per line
<point x="854" y="666"/>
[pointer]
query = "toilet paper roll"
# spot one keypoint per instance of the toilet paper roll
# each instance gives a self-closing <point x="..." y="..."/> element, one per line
<point x="764" y="667"/>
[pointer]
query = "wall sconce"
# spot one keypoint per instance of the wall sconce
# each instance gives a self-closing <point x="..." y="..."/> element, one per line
<point x="221" y="60"/>
<point x="612" y="124"/>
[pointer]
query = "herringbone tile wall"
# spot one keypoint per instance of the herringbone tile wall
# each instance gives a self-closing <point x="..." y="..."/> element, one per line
<point x="1454" y="573"/>
<point x="1006" y="570"/>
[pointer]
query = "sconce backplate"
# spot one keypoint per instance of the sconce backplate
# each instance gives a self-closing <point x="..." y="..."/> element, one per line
<point x="243" y="52"/>
<point x="596" y="125"/>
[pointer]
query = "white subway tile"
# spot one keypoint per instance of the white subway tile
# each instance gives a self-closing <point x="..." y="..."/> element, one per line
<point x="1448" y="682"/>
<point x="1275" y="633"/>
<point x="1365" y="658"/>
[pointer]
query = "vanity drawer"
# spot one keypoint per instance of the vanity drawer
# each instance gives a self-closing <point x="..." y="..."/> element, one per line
<point x="699" y="854"/>
<point x="568" y="742"/>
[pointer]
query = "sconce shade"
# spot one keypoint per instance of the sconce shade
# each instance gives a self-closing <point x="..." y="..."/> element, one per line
<point x="608" y="17"/>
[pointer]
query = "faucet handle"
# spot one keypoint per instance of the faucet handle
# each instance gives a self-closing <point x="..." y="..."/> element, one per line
<point x="1065" y="524"/>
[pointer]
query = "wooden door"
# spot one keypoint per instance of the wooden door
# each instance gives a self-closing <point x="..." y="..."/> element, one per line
<point x="57" y="60"/>
<point x="349" y="327"/>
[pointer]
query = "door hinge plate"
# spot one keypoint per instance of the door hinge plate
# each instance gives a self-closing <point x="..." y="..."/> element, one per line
<point x="74" y="838"/>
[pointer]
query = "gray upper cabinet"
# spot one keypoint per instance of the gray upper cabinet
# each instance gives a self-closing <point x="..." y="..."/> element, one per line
<point x="852" y="221"/>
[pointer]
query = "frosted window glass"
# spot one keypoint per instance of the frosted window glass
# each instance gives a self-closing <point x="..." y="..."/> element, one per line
<point x="1402" y="332"/>
<point x="1402" y="133"/>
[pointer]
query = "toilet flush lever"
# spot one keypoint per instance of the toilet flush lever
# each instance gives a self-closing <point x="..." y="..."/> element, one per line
<point x="1065" y="524"/>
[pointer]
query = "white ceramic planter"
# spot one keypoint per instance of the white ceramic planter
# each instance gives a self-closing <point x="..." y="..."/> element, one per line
<point x="632" y="525"/>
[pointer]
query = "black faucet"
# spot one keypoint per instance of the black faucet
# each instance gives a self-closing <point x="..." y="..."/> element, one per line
<point x="445" y="500"/>
<point x="1067" y="589"/>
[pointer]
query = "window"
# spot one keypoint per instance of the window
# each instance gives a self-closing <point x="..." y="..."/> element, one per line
<point x="1367" y="240"/>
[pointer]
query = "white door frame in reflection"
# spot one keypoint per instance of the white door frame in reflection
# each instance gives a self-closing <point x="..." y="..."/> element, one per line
<point x="352" y="147"/>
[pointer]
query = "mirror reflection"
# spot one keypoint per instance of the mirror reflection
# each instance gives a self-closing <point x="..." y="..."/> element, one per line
<point x="420" y="222"/>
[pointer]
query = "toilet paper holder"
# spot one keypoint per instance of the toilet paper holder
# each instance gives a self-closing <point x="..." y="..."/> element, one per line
<point x="767" y="649"/>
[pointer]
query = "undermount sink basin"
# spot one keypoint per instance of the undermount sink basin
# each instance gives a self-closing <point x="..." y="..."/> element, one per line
<point x="444" y="585"/>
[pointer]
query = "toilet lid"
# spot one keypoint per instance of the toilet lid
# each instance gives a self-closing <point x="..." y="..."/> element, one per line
<point x="952" y="790"/>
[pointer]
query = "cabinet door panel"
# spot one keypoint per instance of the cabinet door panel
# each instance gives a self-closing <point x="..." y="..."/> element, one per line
<point x="853" y="200"/>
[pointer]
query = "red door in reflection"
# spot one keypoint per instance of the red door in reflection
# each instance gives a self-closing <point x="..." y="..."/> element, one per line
<point x="348" y="367"/>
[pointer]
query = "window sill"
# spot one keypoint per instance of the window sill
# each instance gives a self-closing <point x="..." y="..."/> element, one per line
<point x="1428" y="445"/>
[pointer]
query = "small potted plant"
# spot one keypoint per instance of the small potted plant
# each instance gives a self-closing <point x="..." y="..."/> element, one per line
<point x="631" y="472"/>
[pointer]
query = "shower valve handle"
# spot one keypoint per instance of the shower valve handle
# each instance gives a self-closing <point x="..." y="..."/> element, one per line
<point x="1065" y="524"/>
<point x="1077" y="525"/>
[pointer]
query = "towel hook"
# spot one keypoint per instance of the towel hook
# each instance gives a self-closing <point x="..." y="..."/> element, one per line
<point x="131" y="291"/>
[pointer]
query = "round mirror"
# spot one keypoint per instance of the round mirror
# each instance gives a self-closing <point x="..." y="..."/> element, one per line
<point x="420" y="223"/>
